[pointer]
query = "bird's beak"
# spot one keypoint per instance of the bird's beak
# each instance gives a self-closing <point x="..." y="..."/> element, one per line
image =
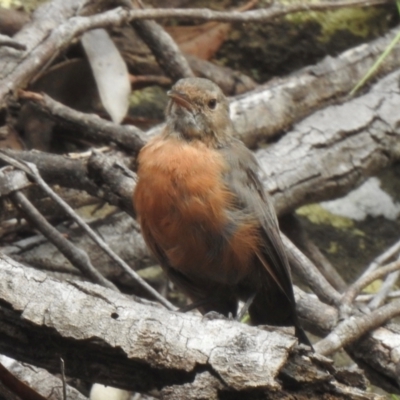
<point x="181" y="99"/>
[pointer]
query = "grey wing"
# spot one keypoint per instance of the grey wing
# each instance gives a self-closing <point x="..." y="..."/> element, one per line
<point x="242" y="179"/>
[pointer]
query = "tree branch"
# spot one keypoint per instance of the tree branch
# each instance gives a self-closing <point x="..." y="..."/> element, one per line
<point x="88" y="126"/>
<point x="353" y="328"/>
<point x="75" y="255"/>
<point x="103" y="336"/>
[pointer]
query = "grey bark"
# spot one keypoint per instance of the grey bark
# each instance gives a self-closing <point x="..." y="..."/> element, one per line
<point x="43" y="382"/>
<point x="106" y="337"/>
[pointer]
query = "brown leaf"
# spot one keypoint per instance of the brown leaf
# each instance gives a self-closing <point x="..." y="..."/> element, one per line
<point x="204" y="40"/>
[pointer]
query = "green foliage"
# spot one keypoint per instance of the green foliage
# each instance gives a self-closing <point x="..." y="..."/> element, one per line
<point x="318" y="215"/>
<point x="361" y="22"/>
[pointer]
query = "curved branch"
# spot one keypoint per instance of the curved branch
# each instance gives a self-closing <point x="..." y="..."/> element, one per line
<point x="355" y="327"/>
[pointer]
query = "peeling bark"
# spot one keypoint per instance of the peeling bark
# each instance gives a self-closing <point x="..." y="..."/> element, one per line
<point x="106" y="337"/>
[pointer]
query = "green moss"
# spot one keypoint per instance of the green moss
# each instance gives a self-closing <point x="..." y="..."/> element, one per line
<point x="373" y="287"/>
<point x="10" y="3"/>
<point x="148" y="103"/>
<point x="360" y="22"/>
<point x="93" y="211"/>
<point x="153" y="274"/>
<point x="26" y="5"/>
<point x="333" y="248"/>
<point x="318" y="215"/>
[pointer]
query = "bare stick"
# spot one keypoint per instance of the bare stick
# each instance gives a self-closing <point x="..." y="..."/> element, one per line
<point x="259" y="15"/>
<point x="294" y="229"/>
<point x="75" y="255"/>
<point x="310" y="273"/>
<point x="89" y="126"/>
<point x="9" y="42"/>
<point x="164" y="48"/>
<point x="384" y="291"/>
<point x="32" y="171"/>
<point x="355" y="327"/>
<point x="368" y="297"/>
<point x="364" y="280"/>
<point x="382" y="258"/>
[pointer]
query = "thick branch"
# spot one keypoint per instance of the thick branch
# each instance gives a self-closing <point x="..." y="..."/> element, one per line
<point x="332" y="151"/>
<point x="146" y="334"/>
<point x="272" y="108"/>
<point x="43" y="382"/>
<point x="104" y="336"/>
<point x="354" y="327"/>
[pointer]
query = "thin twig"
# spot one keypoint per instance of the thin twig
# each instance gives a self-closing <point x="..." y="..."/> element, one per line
<point x="364" y="280"/>
<point x="382" y="258"/>
<point x="364" y="298"/>
<point x="259" y="15"/>
<point x="164" y="48"/>
<point x="89" y="126"/>
<point x="384" y="291"/>
<point x="32" y="171"/>
<point x="295" y="231"/>
<point x="9" y="42"/>
<point x="310" y="273"/>
<point x="140" y="81"/>
<point x="325" y="267"/>
<point x="353" y="328"/>
<point x="75" y="255"/>
<point x="119" y="16"/>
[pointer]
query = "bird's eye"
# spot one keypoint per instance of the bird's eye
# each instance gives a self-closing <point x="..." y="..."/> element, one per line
<point x="212" y="104"/>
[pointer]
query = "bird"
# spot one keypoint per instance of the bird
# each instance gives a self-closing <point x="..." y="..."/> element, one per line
<point x="205" y="215"/>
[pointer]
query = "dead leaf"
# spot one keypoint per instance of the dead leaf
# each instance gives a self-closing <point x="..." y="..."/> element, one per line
<point x="204" y="40"/>
<point x="110" y="72"/>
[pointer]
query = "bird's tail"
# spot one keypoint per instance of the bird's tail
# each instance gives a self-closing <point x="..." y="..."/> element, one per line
<point x="301" y="335"/>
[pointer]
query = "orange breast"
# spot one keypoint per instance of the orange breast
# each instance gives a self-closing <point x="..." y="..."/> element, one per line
<point x="183" y="205"/>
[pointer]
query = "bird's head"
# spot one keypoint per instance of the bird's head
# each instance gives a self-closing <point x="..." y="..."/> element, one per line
<point x="198" y="110"/>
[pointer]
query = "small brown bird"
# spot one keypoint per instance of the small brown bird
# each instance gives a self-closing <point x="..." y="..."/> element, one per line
<point x="205" y="215"/>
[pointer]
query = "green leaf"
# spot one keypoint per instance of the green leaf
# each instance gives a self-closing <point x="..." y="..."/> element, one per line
<point x="379" y="61"/>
